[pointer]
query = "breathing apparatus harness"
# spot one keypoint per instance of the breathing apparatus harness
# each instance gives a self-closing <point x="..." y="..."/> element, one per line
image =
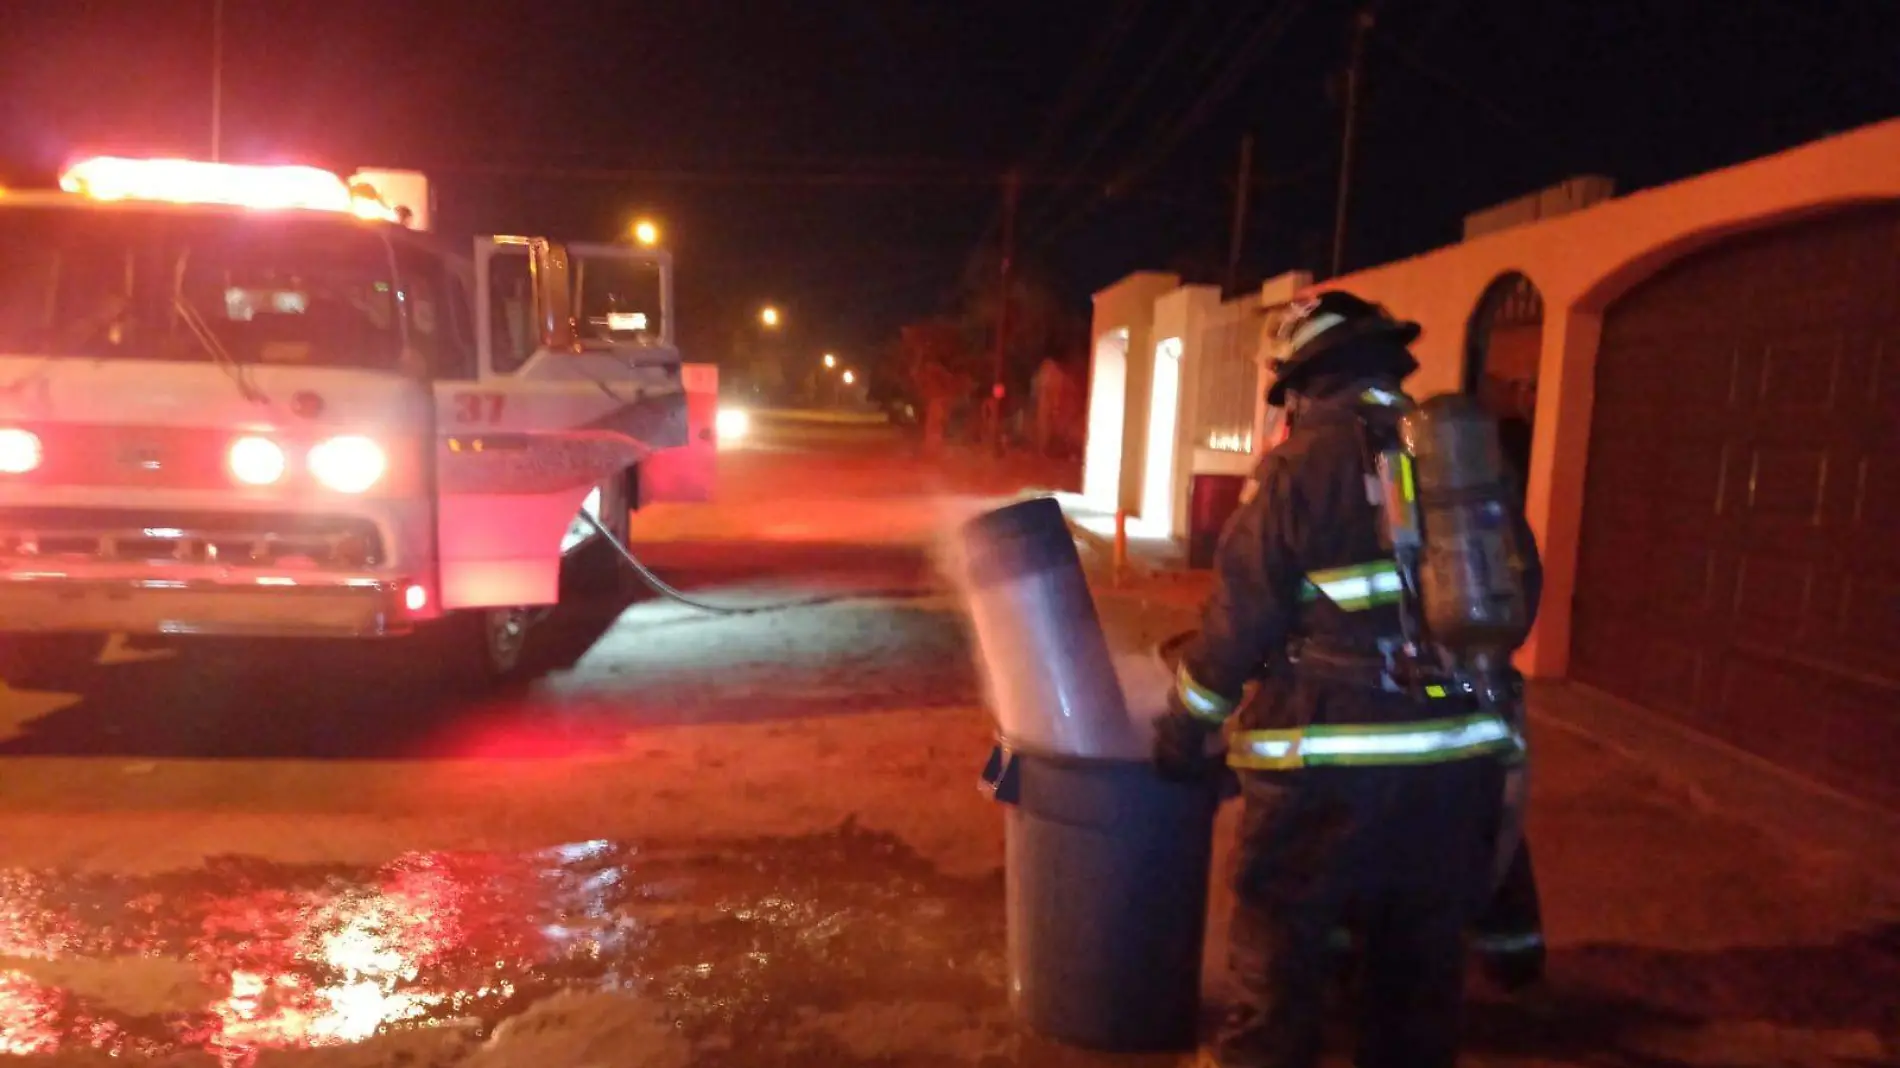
<point x="1446" y="523"/>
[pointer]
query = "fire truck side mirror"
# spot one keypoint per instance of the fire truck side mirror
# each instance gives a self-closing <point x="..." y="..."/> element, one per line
<point x="554" y="298"/>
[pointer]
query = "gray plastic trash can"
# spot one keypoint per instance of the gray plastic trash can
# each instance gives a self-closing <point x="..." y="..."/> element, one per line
<point x="1107" y="898"/>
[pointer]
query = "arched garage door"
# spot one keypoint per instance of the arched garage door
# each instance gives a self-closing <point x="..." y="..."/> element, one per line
<point x="1740" y="559"/>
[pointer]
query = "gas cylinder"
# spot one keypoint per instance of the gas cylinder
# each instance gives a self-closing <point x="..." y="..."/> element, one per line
<point x="1470" y="569"/>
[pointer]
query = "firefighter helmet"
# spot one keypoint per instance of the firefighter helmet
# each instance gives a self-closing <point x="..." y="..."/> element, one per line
<point x="1320" y="327"/>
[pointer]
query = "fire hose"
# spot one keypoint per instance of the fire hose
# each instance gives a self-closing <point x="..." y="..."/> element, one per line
<point x="673" y="593"/>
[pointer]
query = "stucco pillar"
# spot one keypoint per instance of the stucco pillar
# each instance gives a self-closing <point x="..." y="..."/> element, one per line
<point x="1560" y="449"/>
<point x="1127" y="305"/>
<point x="1185" y="315"/>
<point x="1141" y="380"/>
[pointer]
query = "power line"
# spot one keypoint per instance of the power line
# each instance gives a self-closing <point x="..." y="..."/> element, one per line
<point x="1212" y="210"/>
<point x="1239" y="64"/>
<point x="1271" y="29"/>
<point x="727" y="176"/>
<point x="1138" y="87"/>
<point x="884" y="284"/>
<point x="950" y="175"/>
<point x="1425" y="70"/>
<point x="1080" y="84"/>
<point x="1530" y="135"/>
<point x="1436" y="21"/>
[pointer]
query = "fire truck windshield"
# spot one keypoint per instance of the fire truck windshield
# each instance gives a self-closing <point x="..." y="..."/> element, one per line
<point x="166" y="285"/>
<point x="618" y="300"/>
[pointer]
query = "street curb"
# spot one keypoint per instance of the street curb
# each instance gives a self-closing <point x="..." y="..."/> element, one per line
<point x="1724" y="778"/>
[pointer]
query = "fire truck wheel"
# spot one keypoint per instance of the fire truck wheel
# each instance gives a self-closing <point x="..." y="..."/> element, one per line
<point x="504" y="638"/>
<point x="49" y="661"/>
<point x="481" y="650"/>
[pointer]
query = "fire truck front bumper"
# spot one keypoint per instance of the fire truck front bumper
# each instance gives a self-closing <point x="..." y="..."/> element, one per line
<point x="100" y="597"/>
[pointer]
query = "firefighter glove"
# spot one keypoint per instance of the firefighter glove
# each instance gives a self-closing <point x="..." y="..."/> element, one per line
<point x="1183" y="749"/>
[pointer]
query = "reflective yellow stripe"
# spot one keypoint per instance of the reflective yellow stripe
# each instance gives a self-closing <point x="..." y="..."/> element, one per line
<point x="1254" y="751"/>
<point x="1357" y="587"/>
<point x="1305" y="329"/>
<point x="1202" y="702"/>
<point x="1431" y="741"/>
<point x="1374" y="567"/>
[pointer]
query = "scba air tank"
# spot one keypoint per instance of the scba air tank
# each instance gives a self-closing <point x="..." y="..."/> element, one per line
<point x="1470" y="570"/>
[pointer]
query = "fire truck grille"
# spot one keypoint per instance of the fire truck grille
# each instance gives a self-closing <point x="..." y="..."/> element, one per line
<point x="279" y="541"/>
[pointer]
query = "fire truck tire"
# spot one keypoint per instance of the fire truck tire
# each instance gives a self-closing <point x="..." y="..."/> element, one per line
<point x="49" y="661"/>
<point x="480" y="650"/>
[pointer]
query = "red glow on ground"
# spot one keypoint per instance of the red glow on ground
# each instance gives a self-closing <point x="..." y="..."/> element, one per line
<point x="512" y="733"/>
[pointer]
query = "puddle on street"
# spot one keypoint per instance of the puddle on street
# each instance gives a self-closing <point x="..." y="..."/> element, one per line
<point x="826" y="951"/>
<point x="748" y="941"/>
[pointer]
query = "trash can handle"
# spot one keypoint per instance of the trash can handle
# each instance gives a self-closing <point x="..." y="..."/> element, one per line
<point x="1000" y="781"/>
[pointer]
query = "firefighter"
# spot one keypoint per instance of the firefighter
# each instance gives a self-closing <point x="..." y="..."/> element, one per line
<point x="1368" y="803"/>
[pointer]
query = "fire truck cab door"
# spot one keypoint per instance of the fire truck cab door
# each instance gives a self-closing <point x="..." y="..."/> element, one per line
<point x="556" y="410"/>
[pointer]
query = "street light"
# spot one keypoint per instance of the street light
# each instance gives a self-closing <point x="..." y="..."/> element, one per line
<point x="831" y="361"/>
<point x="849" y="378"/>
<point x="646" y="232"/>
<point x="769" y="316"/>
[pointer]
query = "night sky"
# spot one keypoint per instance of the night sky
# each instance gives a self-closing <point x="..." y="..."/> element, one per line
<point x="841" y="157"/>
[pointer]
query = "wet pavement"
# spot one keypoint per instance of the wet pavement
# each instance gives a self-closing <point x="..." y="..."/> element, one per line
<point x="752" y="946"/>
<point x="843" y="948"/>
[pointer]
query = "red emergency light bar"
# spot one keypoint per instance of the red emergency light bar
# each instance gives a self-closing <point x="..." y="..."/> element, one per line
<point x="261" y="187"/>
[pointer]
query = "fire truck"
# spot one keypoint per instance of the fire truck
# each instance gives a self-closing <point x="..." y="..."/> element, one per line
<point x="268" y="402"/>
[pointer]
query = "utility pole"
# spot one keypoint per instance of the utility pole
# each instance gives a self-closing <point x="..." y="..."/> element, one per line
<point x="1361" y="25"/>
<point x="1240" y="211"/>
<point x="217" y="79"/>
<point x="1011" y="187"/>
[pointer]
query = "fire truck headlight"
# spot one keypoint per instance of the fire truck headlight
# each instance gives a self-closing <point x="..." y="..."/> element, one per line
<point x="349" y="464"/>
<point x="256" y="461"/>
<point x="19" y="451"/>
<point x="732" y="423"/>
